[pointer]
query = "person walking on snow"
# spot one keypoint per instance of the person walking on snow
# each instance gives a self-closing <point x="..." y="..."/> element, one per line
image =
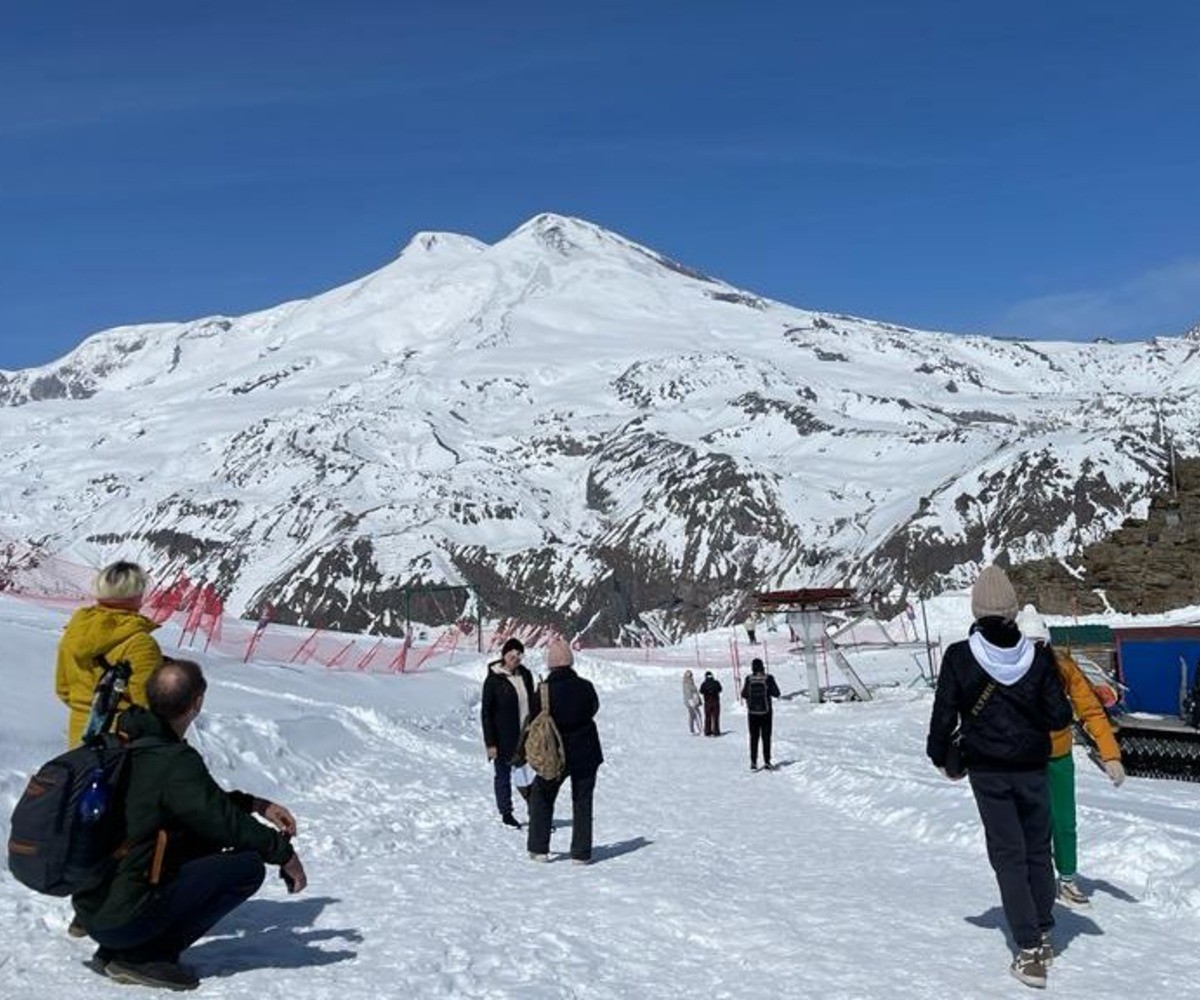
<point x="573" y="707"/>
<point x="504" y="707"/>
<point x="1005" y="695"/>
<point x="114" y="629"/>
<point x="1060" y="772"/>
<point x="710" y="691"/>
<point x="757" y="691"/>
<point x="691" y="701"/>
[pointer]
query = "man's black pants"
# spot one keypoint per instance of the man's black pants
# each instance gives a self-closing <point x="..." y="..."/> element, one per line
<point x="1015" y="809"/>
<point x="201" y="893"/>
<point x="760" y="726"/>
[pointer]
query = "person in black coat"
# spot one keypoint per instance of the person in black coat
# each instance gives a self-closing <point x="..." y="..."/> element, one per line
<point x="757" y="692"/>
<point x="508" y="699"/>
<point x="710" y="691"/>
<point x="573" y="707"/>
<point x="1005" y="695"/>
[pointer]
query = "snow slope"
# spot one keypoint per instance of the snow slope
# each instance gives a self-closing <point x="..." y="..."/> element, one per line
<point x="854" y="872"/>
<point x="566" y="414"/>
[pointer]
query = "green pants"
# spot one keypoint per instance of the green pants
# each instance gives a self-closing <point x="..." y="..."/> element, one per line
<point x="1060" y="774"/>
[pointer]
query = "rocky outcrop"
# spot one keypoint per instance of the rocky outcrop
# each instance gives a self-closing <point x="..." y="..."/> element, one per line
<point x="1147" y="566"/>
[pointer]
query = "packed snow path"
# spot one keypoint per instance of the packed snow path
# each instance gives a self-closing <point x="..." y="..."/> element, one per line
<point x="853" y="871"/>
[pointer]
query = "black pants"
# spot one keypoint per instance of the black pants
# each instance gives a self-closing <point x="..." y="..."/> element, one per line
<point x="542" y="794"/>
<point x="201" y="893"/>
<point x="502" y="783"/>
<point x="760" y="726"/>
<point x="712" y="715"/>
<point x="1015" y="809"/>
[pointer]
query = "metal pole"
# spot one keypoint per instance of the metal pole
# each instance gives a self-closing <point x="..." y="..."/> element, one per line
<point x="928" y="647"/>
<point x="478" y="619"/>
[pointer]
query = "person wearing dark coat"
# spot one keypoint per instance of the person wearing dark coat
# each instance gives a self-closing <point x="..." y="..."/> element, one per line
<point x="507" y="697"/>
<point x="573" y="707"/>
<point x="710" y="691"/>
<point x="757" y="692"/>
<point x="195" y="852"/>
<point x="1004" y="694"/>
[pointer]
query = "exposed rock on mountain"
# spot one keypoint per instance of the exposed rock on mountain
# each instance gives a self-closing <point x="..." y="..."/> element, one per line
<point x="590" y="435"/>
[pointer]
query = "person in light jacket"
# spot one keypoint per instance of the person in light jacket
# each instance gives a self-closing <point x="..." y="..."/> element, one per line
<point x="506" y="704"/>
<point x="691" y="701"/>
<point x="1006" y="695"/>
<point x="1060" y="772"/>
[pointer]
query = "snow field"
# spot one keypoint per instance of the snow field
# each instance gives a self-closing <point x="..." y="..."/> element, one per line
<point x="854" y="871"/>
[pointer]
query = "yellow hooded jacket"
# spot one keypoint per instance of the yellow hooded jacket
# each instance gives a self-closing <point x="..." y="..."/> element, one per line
<point x="1087" y="709"/>
<point x="114" y="633"/>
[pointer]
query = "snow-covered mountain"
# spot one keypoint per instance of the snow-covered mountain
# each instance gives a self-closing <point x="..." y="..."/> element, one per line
<point x="590" y="434"/>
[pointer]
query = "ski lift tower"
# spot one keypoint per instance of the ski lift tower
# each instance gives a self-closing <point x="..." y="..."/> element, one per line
<point x="804" y="610"/>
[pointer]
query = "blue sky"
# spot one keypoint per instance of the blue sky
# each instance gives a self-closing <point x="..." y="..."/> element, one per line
<point x="1022" y="169"/>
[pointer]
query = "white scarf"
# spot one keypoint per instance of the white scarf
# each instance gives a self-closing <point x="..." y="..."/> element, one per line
<point x="519" y="685"/>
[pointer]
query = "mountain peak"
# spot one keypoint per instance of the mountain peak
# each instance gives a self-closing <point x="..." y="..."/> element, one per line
<point x="563" y="233"/>
<point x="430" y="242"/>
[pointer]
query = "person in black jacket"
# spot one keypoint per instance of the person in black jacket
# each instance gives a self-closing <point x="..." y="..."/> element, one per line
<point x="710" y="691"/>
<point x="573" y="707"/>
<point x="757" y="692"/>
<point x="1005" y="695"/>
<point x="507" y="697"/>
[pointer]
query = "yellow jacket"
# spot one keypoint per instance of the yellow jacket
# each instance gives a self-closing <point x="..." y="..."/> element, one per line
<point x="1088" y="710"/>
<point x="117" y="635"/>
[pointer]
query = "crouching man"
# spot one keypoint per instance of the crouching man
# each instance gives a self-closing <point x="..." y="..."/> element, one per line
<point x="194" y="852"/>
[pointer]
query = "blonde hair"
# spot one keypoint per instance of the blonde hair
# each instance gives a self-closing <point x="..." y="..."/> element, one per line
<point x="120" y="581"/>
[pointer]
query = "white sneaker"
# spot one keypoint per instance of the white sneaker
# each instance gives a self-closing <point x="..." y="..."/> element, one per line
<point x="1069" y="894"/>
<point x="538" y="857"/>
<point x="1028" y="968"/>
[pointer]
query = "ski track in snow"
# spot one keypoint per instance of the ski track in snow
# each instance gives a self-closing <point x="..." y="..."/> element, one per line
<point x="853" y="871"/>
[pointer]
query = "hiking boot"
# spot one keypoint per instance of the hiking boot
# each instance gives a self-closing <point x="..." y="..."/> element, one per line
<point x="533" y="856"/>
<point x="1028" y="968"/>
<point x="1045" y="950"/>
<point x="76" y="929"/>
<point x="753" y="766"/>
<point x="1069" y="894"/>
<point x="768" y="766"/>
<point x="508" y="819"/>
<point x="164" y="975"/>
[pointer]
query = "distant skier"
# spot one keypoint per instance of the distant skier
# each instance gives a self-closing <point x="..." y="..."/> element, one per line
<point x="691" y="701"/>
<point x="1006" y="696"/>
<point x="710" y="691"/>
<point x="757" y="692"/>
<point x="1060" y="772"/>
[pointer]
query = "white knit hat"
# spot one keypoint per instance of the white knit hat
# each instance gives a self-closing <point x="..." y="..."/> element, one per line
<point x="1032" y="625"/>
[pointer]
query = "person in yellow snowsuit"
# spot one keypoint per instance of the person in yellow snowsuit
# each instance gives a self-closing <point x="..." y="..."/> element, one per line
<point x="1060" y="771"/>
<point x="112" y="628"/>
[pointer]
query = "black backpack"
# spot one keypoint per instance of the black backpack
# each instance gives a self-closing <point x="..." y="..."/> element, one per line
<point x="68" y="827"/>
<point x="758" y="695"/>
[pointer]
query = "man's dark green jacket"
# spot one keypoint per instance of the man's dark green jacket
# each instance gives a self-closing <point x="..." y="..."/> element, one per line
<point x="171" y="790"/>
